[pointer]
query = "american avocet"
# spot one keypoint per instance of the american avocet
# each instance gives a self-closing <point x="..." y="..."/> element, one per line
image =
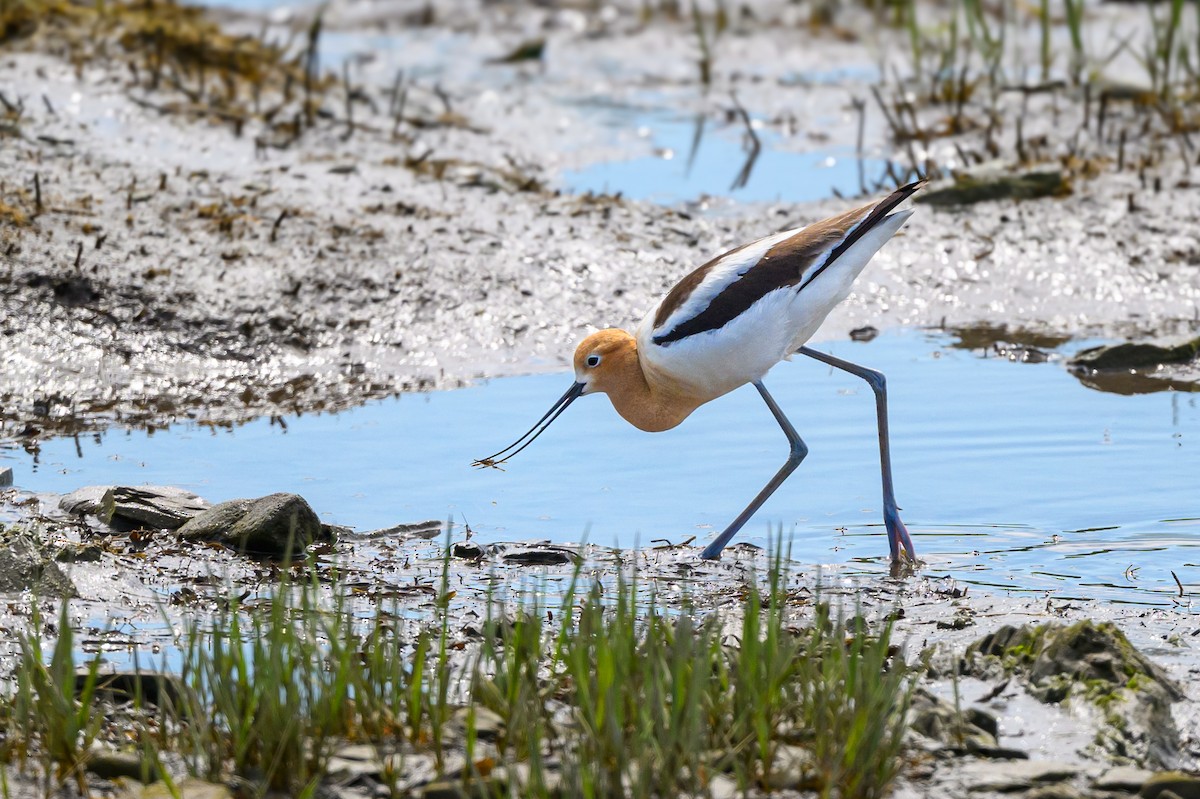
<point x="725" y="325"/>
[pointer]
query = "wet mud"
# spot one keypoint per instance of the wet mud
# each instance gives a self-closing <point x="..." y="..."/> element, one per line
<point x="169" y="265"/>
<point x="160" y="262"/>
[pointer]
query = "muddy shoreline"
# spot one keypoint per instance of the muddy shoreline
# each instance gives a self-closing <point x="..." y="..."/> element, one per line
<point x="169" y="266"/>
<point x="181" y="269"/>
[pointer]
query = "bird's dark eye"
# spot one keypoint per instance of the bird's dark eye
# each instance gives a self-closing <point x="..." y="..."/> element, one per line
<point x="593" y="360"/>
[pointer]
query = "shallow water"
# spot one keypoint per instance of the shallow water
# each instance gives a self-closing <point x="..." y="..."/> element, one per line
<point x="1013" y="477"/>
<point x="696" y="157"/>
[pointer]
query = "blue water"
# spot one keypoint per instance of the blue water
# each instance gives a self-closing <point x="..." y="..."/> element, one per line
<point x="1012" y="477"/>
<point x="686" y="168"/>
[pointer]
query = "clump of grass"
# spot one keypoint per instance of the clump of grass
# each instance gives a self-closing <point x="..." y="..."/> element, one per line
<point x="606" y="693"/>
<point x="171" y="45"/>
<point x="969" y="82"/>
<point x="53" y="706"/>
<point x="657" y="705"/>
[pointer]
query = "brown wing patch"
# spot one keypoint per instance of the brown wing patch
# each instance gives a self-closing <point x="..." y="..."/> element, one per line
<point x="785" y="264"/>
<point x="679" y="293"/>
<point x="788" y="263"/>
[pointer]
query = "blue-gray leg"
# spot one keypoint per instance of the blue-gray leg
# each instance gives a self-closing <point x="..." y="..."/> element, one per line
<point x="897" y="532"/>
<point x="795" y="455"/>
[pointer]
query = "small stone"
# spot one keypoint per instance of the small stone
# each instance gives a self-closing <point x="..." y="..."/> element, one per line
<point x="132" y="507"/>
<point x="1015" y="775"/>
<point x="264" y="526"/>
<point x="794" y="769"/>
<point x="1123" y="778"/>
<point x="1185" y="786"/>
<point x="722" y="786"/>
<point x="215" y="523"/>
<point x="990" y="183"/>
<point x="109" y="764"/>
<point x="541" y="555"/>
<point x="79" y="553"/>
<point x="187" y="788"/>
<point x="23" y="567"/>
<point x="354" y="762"/>
<point x="6" y="476"/>
<point x="1137" y="355"/>
<point x="83" y="501"/>
<point x="443" y="789"/>
<point x="467" y="550"/>
<point x="488" y="723"/>
<point x="939" y="721"/>
<point x="1060" y="791"/>
<point x="120" y="687"/>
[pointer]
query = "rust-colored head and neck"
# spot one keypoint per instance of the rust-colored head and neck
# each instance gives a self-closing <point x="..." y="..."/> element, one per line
<point x="606" y="362"/>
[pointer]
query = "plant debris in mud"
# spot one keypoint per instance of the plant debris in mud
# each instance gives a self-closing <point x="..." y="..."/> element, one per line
<point x="598" y="697"/>
<point x="983" y="84"/>
<point x="169" y="45"/>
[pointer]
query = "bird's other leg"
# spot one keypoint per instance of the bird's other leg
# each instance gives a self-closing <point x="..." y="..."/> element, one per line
<point x="897" y="532"/>
<point x="795" y="455"/>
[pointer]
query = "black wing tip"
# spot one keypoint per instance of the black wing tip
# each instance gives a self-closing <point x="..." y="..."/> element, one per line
<point x="902" y="193"/>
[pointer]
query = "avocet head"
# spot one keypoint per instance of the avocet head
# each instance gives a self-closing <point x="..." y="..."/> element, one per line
<point x="602" y="358"/>
<point x="601" y="361"/>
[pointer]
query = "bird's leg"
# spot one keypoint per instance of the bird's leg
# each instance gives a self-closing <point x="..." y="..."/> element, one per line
<point x="797" y="453"/>
<point x="897" y="532"/>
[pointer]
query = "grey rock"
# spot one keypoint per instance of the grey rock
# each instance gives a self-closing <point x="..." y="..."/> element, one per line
<point x="23" y="567"/>
<point x="84" y="501"/>
<point x="541" y="555"/>
<point x="1095" y="664"/>
<point x="159" y="507"/>
<point x="467" y="550"/>
<point x="78" y="553"/>
<point x="6" y="476"/>
<point x="216" y="522"/>
<point x="1015" y="775"/>
<point x="277" y="525"/>
<point x="187" y="788"/>
<point x="1123" y="778"/>
<point x="1185" y="786"/>
<point x="488" y="723"/>
<point x="939" y="721"/>
<point x="794" y="769"/>
<point x="353" y="762"/>
<point x="1137" y="355"/>
<point x="721" y="786"/>
<point x="133" y="507"/>
<point x="427" y="530"/>
<point x="990" y="182"/>
<point x="110" y="764"/>
<point x="1059" y="791"/>
<point x="120" y="687"/>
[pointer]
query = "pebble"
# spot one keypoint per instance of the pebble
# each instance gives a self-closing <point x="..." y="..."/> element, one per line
<point x="1123" y="778"/>
<point x="544" y="555"/>
<point x="6" y="476"/>
<point x="1015" y="775"/>
<point x="187" y="788"/>
<point x="1185" y="786"/>
<point x="109" y="764"/>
